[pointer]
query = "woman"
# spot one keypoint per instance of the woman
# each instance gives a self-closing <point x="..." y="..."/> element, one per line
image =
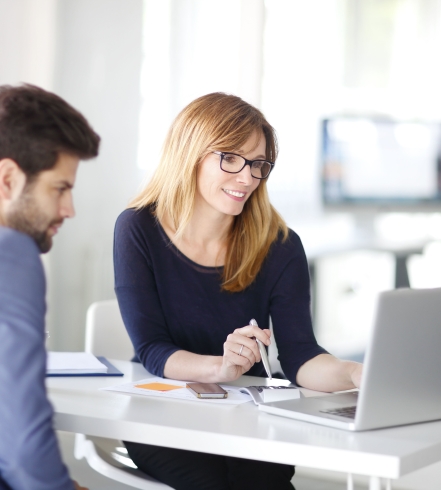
<point x="200" y="252"/>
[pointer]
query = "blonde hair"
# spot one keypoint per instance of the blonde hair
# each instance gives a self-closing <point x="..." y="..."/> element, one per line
<point x="216" y="122"/>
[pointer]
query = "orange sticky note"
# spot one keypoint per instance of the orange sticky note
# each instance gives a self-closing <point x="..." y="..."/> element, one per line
<point x="159" y="387"/>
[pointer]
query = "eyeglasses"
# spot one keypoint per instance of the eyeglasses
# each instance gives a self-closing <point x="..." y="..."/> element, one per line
<point x="233" y="164"/>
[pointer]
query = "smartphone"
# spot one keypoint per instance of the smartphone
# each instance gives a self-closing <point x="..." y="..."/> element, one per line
<point x="207" y="390"/>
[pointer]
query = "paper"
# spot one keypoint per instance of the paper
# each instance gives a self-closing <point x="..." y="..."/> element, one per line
<point x="169" y="388"/>
<point x="73" y="363"/>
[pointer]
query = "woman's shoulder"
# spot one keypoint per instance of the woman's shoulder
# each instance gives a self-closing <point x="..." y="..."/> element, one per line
<point x="132" y="218"/>
<point x="287" y="245"/>
<point x="137" y="226"/>
<point x="285" y="249"/>
<point x="286" y="256"/>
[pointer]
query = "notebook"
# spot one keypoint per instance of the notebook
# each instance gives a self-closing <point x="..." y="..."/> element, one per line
<point x="73" y="363"/>
<point x="401" y="381"/>
<point x="111" y="370"/>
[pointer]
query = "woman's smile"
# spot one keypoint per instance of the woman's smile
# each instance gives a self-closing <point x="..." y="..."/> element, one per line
<point x="236" y="195"/>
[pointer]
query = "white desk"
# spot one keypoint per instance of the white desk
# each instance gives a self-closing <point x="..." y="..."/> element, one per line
<point x="240" y="431"/>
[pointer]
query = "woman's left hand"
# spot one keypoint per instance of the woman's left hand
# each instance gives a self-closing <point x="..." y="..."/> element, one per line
<point x="356" y="374"/>
<point x="327" y="373"/>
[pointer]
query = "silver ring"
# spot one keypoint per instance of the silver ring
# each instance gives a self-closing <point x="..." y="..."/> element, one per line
<point x="241" y="349"/>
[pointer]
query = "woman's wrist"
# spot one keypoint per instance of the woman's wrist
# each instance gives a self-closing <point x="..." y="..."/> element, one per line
<point x="220" y="373"/>
<point x="187" y="366"/>
<point x="214" y="369"/>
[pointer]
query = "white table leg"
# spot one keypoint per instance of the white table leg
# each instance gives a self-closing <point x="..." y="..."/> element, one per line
<point x="388" y="484"/>
<point x="374" y="483"/>
<point x="350" y="482"/>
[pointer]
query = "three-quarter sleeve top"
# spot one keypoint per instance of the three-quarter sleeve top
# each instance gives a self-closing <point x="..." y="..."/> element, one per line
<point x="170" y="303"/>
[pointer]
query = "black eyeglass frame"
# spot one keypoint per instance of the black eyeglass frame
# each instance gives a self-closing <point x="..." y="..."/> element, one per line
<point x="247" y="162"/>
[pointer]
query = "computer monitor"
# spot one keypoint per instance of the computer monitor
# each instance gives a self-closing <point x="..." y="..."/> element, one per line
<point x="379" y="164"/>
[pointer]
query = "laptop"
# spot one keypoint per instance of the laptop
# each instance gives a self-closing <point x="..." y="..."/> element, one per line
<point x="401" y="382"/>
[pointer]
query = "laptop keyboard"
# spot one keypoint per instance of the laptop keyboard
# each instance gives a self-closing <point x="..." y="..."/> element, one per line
<point x="348" y="412"/>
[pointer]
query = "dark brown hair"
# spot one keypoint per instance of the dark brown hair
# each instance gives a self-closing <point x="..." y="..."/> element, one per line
<point x="36" y="125"/>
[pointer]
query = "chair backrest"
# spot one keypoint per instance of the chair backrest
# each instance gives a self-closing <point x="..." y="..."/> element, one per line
<point x="106" y="334"/>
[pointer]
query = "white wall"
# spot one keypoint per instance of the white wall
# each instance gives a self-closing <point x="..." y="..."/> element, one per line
<point x="90" y="53"/>
<point x="97" y="70"/>
<point x="28" y="41"/>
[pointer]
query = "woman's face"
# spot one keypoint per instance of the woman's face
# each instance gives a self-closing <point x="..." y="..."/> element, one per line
<point x="224" y="192"/>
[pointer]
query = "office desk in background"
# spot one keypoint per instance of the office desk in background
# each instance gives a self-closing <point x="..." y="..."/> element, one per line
<point x="400" y="252"/>
<point x="348" y="270"/>
<point x="240" y="431"/>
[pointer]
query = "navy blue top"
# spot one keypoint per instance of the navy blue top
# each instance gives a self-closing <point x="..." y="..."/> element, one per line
<point x="29" y="454"/>
<point x="169" y="302"/>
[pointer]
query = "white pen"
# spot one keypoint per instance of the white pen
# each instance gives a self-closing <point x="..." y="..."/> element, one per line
<point x="262" y="351"/>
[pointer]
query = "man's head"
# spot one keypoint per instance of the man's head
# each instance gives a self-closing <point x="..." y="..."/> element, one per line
<point x="42" y="139"/>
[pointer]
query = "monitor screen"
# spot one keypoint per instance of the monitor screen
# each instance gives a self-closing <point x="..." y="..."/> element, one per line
<point x="371" y="161"/>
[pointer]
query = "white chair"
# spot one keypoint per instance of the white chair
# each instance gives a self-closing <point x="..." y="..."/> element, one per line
<point x="106" y="336"/>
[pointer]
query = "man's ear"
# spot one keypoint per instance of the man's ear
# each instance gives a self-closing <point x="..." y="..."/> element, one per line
<point x="12" y="179"/>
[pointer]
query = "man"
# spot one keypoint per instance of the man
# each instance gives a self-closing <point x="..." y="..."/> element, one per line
<point x="42" y="139"/>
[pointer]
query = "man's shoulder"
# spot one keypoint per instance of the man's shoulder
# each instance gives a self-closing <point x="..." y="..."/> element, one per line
<point x="21" y="270"/>
<point x="15" y="243"/>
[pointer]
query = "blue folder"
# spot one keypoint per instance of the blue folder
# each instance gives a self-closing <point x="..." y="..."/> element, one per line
<point x="111" y="371"/>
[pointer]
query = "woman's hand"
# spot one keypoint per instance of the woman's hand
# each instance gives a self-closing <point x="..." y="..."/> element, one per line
<point x="327" y="373"/>
<point x="356" y="374"/>
<point x="241" y="351"/>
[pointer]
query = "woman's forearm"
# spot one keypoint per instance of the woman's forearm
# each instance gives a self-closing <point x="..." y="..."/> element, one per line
<point x="240" y="354"/>
<point x="327" y="373"/>
<point x="187" y="366"/>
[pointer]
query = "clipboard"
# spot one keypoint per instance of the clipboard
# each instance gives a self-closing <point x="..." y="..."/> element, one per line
<point x="111" y="371"/>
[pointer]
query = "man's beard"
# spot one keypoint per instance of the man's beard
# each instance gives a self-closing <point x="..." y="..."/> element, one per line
<point x="26" y="216"/>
